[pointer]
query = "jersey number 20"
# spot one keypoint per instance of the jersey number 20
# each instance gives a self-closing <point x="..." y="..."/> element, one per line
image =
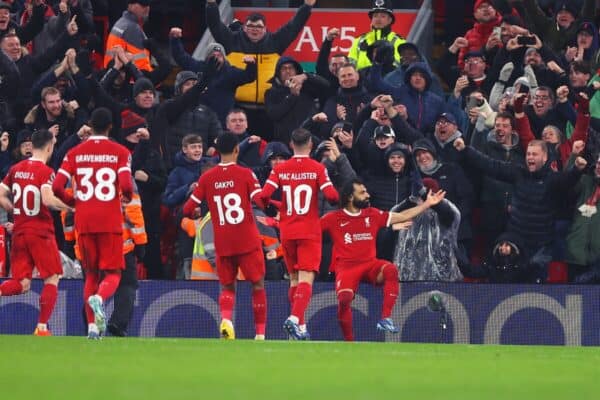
<point x="28" y="192"/>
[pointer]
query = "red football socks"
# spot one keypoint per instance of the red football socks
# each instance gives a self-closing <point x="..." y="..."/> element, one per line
<point x="301" y="300"/>
<point x="391" y="288"/>
<point x="226" y="304"/>
<point x="109" y="284"/>
<point x="47" y="302"/>
<point x="259" y="306"/>
<point x="11" y="287"/>
<point x="344" y="314"/>
<point x="89" y="289"/>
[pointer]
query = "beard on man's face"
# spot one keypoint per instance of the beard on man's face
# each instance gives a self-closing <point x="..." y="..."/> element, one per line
<point x="361" y="203"/>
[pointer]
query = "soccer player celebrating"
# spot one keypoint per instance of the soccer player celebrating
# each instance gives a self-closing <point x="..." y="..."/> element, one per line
<point x="228" y="190"/>
<point x="33" y="240"/>
<point x="100" y="170"/>
<point x="353" y="230"/>
<point x="300" y="179"/>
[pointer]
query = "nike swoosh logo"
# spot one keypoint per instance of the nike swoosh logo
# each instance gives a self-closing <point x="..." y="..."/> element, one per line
<point x="344" y="223"/>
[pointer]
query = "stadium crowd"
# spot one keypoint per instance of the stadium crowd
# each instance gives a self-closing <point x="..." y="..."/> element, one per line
<point x="506" y="122"/>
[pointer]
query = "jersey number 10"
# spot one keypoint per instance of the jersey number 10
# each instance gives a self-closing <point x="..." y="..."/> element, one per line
<point x="300" y="204"/>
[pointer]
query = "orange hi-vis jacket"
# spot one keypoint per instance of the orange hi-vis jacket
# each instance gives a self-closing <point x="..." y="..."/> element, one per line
<point x="127" y="32"/>
<point x="134" y="231"/>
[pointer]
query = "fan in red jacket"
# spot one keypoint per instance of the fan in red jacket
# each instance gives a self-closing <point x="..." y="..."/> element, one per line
<point x="486" y="19"/>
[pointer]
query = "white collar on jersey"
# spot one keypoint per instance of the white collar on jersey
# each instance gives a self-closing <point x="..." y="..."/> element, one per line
<point x="98" y="137"/>
<point x="36" y="159"/>
<point x="351" y="213"/>
<point x="226" y="164"/>
<point x="301" y="156"/>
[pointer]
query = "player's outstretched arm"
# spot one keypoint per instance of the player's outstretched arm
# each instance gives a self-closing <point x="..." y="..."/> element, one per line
<point x="406" y="215"/>
<point x="58" y="185"/>
<point x="50" y="200"/>
<point x="190" y="207"/>
<point x="4" y="199"/>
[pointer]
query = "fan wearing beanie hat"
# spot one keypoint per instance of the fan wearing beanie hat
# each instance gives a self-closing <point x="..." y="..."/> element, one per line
<point x="130" y="123"/>
<point x="382" y="19"/>
<point x="143" y="93"/>
<point x="182" y="79"/>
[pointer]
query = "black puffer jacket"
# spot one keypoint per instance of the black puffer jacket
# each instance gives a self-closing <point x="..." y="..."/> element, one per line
<point x="533" y="205"/>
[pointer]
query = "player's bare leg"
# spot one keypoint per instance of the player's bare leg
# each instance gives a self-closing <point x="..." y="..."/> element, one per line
<point x="226" y="304"/>
<point x="302" y="296"/>
<point x="344" y="313"/>
<point x="388" y="276"/>
<point x="47" y="302"/>
<point x="259" y="307"/>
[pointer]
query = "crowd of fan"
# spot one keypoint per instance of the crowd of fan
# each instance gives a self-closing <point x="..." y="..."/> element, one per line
<point x="514" y="139"/>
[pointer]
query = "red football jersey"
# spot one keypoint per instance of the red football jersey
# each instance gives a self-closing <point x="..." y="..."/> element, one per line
<point x="228" y="190"/>
<point x="300" y="179"/>
<point x="25" y="180"/>
<point x="99" y="169"/>
<point x="354" y="235"/>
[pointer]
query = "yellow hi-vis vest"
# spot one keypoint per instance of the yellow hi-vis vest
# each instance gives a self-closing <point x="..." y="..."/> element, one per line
<point x="359" y="57"/>
<point x="203" y="256"/>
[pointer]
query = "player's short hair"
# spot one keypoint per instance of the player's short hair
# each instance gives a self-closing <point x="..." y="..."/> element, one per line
<point x="49" y="91"/>
<point x="226" y="142"/>
<point x="301" y="137"/>
<point x="101" y="120"/>
<point x="348" y="190"/>
<point x="40" y="138"/>
<point x="191" y="138"/>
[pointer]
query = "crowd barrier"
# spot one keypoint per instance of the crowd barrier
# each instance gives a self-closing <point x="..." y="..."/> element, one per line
<point x="474" y="313"/>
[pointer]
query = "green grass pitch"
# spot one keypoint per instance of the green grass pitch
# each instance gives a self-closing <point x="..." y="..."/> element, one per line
<point x="75" y="368"/>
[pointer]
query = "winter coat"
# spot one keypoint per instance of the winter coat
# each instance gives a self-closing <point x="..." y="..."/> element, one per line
<point x="513" y="268"/>
<point x="533" y="204"/>
<point x="220" y="93"/>
<point x="390" y="189"/>
<point x="353" y="99"/>
<point x="478" y="37"/>
<point x="583" y="239"/>
<point x="423" y="107"/>
<point x="494" y="192"/>
<point x="181" y="116"/>
<point x="426" y="250"/>
<point x="267" y="50"/>
<point x="147" y="158"/>
<point x="554" y="36"/>
<point x="286" y="110"/>
<point x="181" y="177"/>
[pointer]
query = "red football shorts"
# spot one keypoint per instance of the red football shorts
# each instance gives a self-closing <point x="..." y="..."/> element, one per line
<point x="302" y="255"/>
<point x="28" y="251"/>
<point x="101" y="251"/>
<point x="252" y="265"/>
<point x="349" y="277"/>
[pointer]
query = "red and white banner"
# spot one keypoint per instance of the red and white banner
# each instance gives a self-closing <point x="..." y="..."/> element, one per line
<point x="351" y="23"/>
